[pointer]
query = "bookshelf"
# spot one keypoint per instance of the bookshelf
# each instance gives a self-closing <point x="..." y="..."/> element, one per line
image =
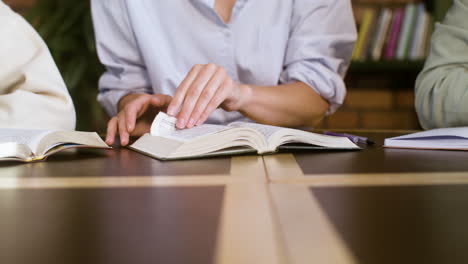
<point x="386" y="66"/>
<point x="365" y="62"/>
<point x="381" y="92"/>
<point x="439" y="8"/>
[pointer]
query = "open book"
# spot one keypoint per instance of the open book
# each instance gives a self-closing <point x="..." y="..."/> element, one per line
<point x="32" y="145"/>
<point x="166" y="142"/>
<point x="443" y="138"/>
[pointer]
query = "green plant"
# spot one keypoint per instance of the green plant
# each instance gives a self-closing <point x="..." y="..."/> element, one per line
<point x="66" y="27"/>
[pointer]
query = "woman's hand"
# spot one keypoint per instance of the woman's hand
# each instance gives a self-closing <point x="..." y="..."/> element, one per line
<point x="204" y="89"/>
<point x="137" y="112"/>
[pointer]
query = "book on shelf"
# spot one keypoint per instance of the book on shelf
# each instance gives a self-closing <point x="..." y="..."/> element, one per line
<point x="393" y="32"/>
<point x="418" y="48"/>
<point x="442" y="138"/>
<point x="381" y="34"/>
<point x="365" y="31"/>
<point x="166" y="142"/>
<point x="28" y="145"/>
<point x="406" y="32"/>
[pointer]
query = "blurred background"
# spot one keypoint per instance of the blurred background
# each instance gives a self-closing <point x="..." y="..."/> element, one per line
<point x="393" y="42"/>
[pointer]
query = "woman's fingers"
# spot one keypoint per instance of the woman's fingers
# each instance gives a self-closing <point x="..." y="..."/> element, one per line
<point x="207" y="95"/>
<point x="123" y="132"/>
<point x="181" y="91"/>
<point x="125" y="123"/>
<point x="221" y="94"/>
<point x="134" y="110"/>
<point x="116" y="124"/>
<point x="111" y="130"/>
<point x="141" y="105"/>
<point x="192" y="95"/>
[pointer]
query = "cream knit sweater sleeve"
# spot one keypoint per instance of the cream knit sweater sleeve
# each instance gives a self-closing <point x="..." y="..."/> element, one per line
<point x="32" y="91"/>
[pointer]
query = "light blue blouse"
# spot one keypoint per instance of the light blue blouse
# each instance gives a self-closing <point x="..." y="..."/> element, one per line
<point x="148" y="46"/>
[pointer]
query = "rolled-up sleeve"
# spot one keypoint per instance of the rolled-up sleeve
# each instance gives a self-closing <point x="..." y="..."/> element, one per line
<point x="119" y="53"/>
<point x="320" y="46"/>
<point x="442" y="87"/>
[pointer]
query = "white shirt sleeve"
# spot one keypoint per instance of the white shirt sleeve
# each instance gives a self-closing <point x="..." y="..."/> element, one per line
<point x="118" y="51"/>
<point x="32" y="92"/>
<point x="320" y="46"/>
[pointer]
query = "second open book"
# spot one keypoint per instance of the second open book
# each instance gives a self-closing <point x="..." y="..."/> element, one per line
<point x="27" y="145"/>
<point x="166" y="142"/>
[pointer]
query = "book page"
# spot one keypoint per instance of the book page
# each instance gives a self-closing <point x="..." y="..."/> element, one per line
<point x="441" y="138"/>
<point x="14" y="151"/>
<point x="461" y="132"/>
<point x="266" y="130"/>
<point x="67" y="139"/>
<point x="155" y="146"/>
<point x="29" y="137"/>
<point x="276" y="136"/>
<point x="165" y="126"/>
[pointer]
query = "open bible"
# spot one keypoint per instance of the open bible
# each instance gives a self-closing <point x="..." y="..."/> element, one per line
<point x="166" y="142"/>
<point x="28" y="145"/>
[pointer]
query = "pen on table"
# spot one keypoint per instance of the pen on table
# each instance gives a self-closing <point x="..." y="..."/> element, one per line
<point x="353" y="138"/>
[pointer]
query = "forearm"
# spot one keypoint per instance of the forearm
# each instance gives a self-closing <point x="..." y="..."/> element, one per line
<point x="289" y="105"/>
<point x="441" y="97"/>
<point x="441" y="88"/>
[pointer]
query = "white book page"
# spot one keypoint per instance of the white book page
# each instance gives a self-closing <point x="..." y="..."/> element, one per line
<point x="29" y="137"/>
<point x="165" y="126"/>
<point x="444" y="143"/>
<point x="14" y="151"/>
<point x="69" y="139"/>
<point x="442" y="138"/>
<point x="276" y="136"/>
<point x="266" y="130"/>
<point x="461" y="132"/>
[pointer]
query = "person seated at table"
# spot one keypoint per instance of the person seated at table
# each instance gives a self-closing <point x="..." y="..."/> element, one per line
<point x="32" y="92"/>
<point x="275" y="62"/>
<point x="442" y="86"/>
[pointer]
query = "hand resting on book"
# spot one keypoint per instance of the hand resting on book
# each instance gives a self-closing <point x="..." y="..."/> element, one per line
<point x="137" y="112"/>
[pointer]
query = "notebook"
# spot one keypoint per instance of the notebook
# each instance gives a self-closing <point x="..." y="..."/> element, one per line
<point x="443" y="138"/>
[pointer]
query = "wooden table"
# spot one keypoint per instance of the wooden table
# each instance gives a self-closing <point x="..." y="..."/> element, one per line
<point x="371" y="206"/>
<point x="122" y="207"/>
